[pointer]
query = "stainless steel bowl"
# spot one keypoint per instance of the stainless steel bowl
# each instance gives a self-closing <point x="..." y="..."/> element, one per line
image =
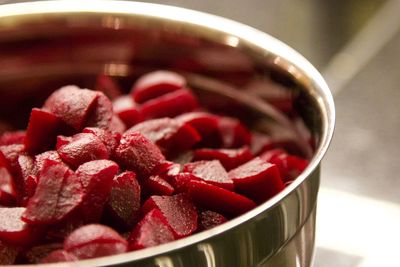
<point x="44" y="45"/>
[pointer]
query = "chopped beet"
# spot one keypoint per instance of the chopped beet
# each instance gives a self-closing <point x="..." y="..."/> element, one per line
<point x="72" y="105"/>
<point x="124" y="202"/>
<point x="42" y="130"/>
<point x="137" y="153"/>
<point x="127" y="110"/>
<point x="95" y="240"/>
<point x="257" y="179"/>
<point x="25" y="163"/>
<point x="151" y="231"/>
<point x="209" y="219"/>
<point x="12" y="138"/>
<point x="205" y="123"/>
<point x="57" y="232"/>
<point x="169" y="134"/>
<point x="180" y="181"/>
<point x="260" y="142"/>
<point x="36" y="253"/>
<point x="40" y="159"/>
<point x="9" y="157"/>
<point x="221" y="200"/>
<point x="8" y="193"/>
<point x="59" y="255"/>
<point x="62" y="141"/>
<point x="229" y="158"/>
<point x="82" y="148"/>
<point x="102" y="112"/>
<point x="272" y="154"/>
<point x="117" y="125"/>
<point x="13" y="230"/>
<point x="57" y="194"/>
<point x="232" y="133"/>
<point x="169" y="105"/>
<point x="96" y="178"/>
<point x="30" y="184"/>
<point x="108" y="86"/>
<point x="155" y="84"/>
<point x="178" y="211"/>
<point x="8" y="254"/>
<point x="289" y="166"/>
<point x="210" y="171"/>
<point x="156" y="185"/>
<point x="109" y="139"/>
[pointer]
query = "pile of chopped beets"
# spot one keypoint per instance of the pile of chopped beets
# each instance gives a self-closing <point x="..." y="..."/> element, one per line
<point x="91" y="177"/>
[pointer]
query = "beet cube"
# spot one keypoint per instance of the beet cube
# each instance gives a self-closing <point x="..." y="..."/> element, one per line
<point x="109" y="139"/>
<point x="210" y="171"/>
<point x="8" y="193"/>
<point x="289" y="166"/>
<point x="229" y="158"/>
<point x="8" y="254"/>
<point x="96" y="178"/>
<point x="95" y="240"/>
<point x="58" y="193"/>
<point x="151" y="231"/>
<point x="127" y="110"/>
<point x="180" y="181"/>
<point x="117" y="125"/>
<point x="169" y="105"/>
<point x="221" y="200"/>
<point x="260" y="142"/>
<point x="12" y="138"/>
<point x="36" y="253"/>
<point x="124" y="202"/>
<point x="137" y="153"/>
<point x="209" y="219"/>
<point x="59" y="255"/>
<point x="156" y="185"/>
<point x="40" y="159"/>
<point x="178" y="211"/>
<point x="155" y="84"/>
<point x="205" y="123"/>
<point x="232" y="133"/>
<point x="82" y="148"/>
<point x="257" y="179"/>
<point x="9" y="158"/>
<point x="101" y="113"/>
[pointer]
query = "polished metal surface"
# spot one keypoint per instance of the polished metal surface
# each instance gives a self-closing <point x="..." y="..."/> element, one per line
<point x="48" y="44"/>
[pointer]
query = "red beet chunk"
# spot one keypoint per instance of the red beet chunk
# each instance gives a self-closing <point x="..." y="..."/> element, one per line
<point x="272" y="154"/>
<point x="101" y="113"/>
<point x="95" y="240"/>
<point x="12" y="138"/>
<point x="210" y="171"/>
<point x="8" y="254"/>
<point x="156" y="185"/>
<point x="108" y="86"/>
<point x="9" y="157"/>
<point x="205" y="123"/>
<point x="221" y="200"/>
<point x="57" y="194"/>
<point x="209" y="219"/>
<point x="40" y="159"/>
<point x="169" y="105"/>
<point x="178" y="211"/>
<point x="59" y="255"/>
<point x="42" y="130"/>
<point x="124" y="203"/>
<point x="127" y="110"/>
<point x="151" y="231"/>
<point x="109" y="139"/>
<point x="8" y="193"/>
<point x="169" y="134"/>
<point x="260" y="143"/>
<point x="180" y="181"/>
<point x="229" y="158"/>
<point x="57" y="232"/>
<point x="72" y="105"/>
<point x="232" y="133"/>
<point x="289" y="166"/>
<point x="13" y="230"/>
<point x="155" y="84"/>
<point x="117" y="125"/>
<point x="257" y="179"/>
<point x="137" y="153"/>
<point x="83" y="147"/>
<point x="36" y="253"/>
<point x="96" y="178"/>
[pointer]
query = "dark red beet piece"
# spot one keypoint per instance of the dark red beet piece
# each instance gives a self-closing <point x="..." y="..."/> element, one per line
<point x="36" y="253"/>
<point x="124" y="202"/>
<point x="117" y="125"/>
<point x="109" y="139"/>
<point x="260" y="142"/>
<point x="137" y="153"/>
<point x="8" y="193"/>
<point x="12" y="138"/>
<point x="57" y="232"/>
<point x="8" y="254"/>
<point x="127" y="110"/>
<point x="42" y="130"/>
<point x="102" y="112"/>
<point x="9" y="157"/>
<point x="209" y="219"/>
<point x="289" y="166"/>
<point x="108" y="86"/>
<point x="155" y="84"/>
<point x="156" y="185"/>
<point x="257" y="179"/>
<point x="221" y="200"/>
<point x="229" y="158"/>
<point x="72" y="105"/>
<point x="180" y="181"/>
<point x="205" y="123"/>
<point x="233" y="133"/>
<point x="95" y="240"/>
<point x="151" y="231"/>
<point x="272" y="154"/>
<point x="40" y="159"/>
<point x="57" y="194"/>
<point x="83" y="147"/>
<point x="210" y="171"/>
<point x="178" y="211"/>
<point x="96" y="178"/>
<point x="169" y="105"/>
<point x="59" y="255"/>
<point x="169" y="134"/>
<point x="13" y="230"/>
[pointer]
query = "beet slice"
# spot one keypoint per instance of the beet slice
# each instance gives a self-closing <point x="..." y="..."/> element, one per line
<point x="233" y="133"/>
<point x="8" y="254"/>
<point x="289" y="166"/>
<point x="169" y="134"/>
<point x="137" y="153"/>
<point x="42" y="130"/>
<point x="82" y="148"/>
<point x="57" y="194"/>
<point x="95" y="240"/>
<point x="260" y="143"/>
<point x="124" y="202"/>
<point x="205" y="123"/>
<point x="109" y="139"/>
<point x="101" y="113"/>
<point x="169" y="105"/>
<point x="72" y="105"/>
<point x="151" y="231"/>
<point x="117" y="125"/>
<point x="13" y="230"/>
<point x="127" y="110"/>
<point x="8" y="193"/>
<point x="180" y="181"/>
<point x="257" y="179"/>
<point x="156" y="185"/>
<point x="40" y="159"/>
<point x="96" y="178"/>
<point x="9" y="157"/>
<point x="36" y="253"/>
<point x="221" y="200"/>
<point x="59" y="255"/>
<point x="155" y="84"/>
<point x="209" y="219"/>
<point x="210" y="171"/>
<point x="229" y="158"/>
<point x="272" y="154"/>
<point x="178" y="211"/>
<point x="12" y="138"/>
